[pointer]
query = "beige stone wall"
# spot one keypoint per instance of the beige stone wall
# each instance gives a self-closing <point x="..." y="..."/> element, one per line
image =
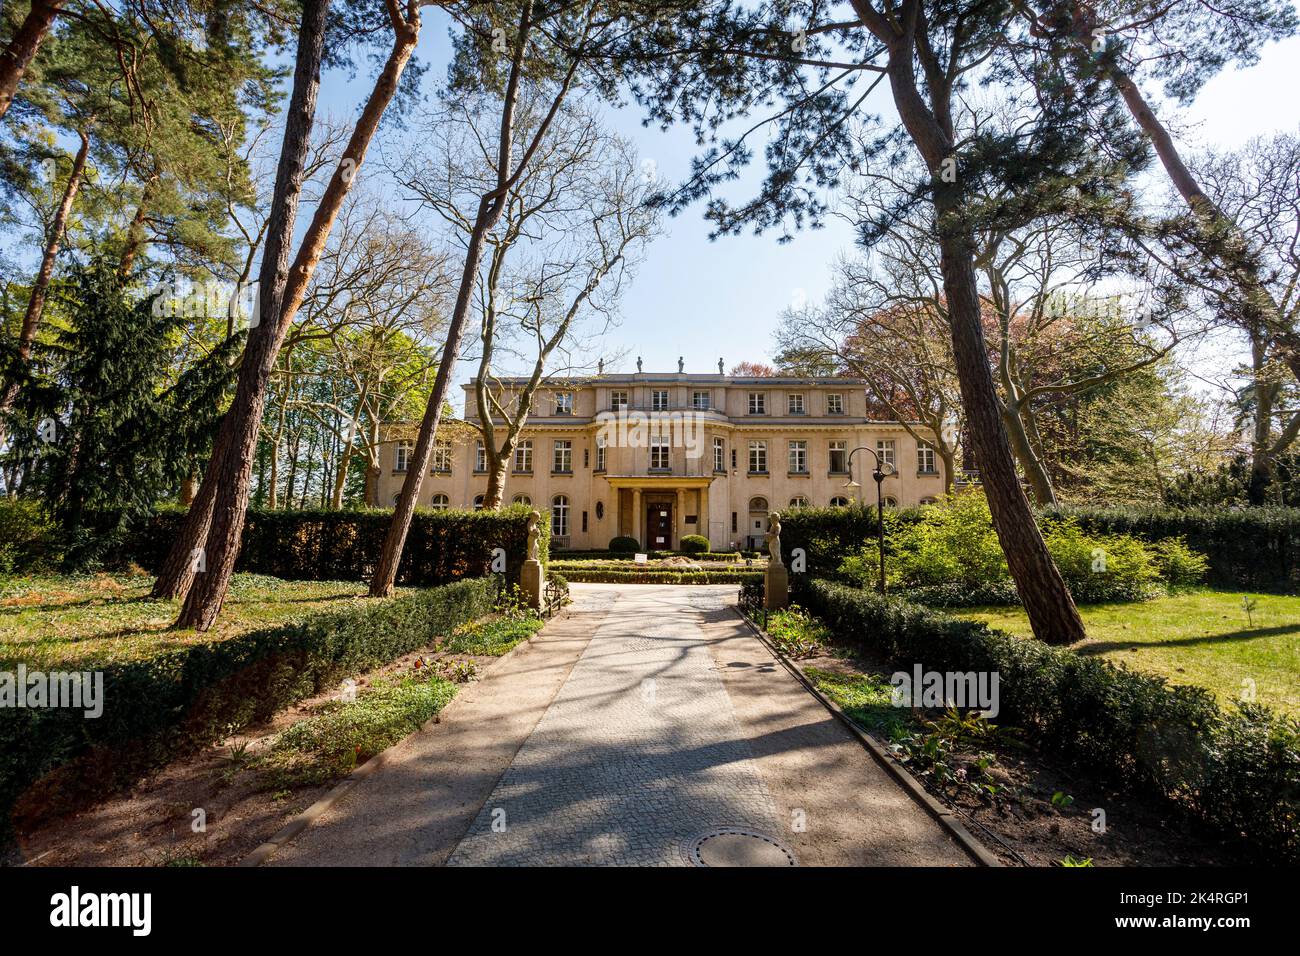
<point x="597" y="510"/>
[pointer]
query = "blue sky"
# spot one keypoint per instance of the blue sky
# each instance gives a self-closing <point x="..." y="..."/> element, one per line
<point x="704" y="299"/>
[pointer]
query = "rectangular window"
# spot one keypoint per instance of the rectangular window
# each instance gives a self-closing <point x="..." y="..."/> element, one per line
<point x="758" y="458"/>
<point x="798" y="457"/>
<point x="794" y="403"/>
<point x="562" y="463"/>
<point x="839" y="461"/>
<point x="600" y="457"/>
<point x="925" y="458"/>
<point x="659" y="401"/>
<point x="719" y="455"/>
<point x="885" y="451"/>
<point x="659" y="452"/>
<point x="564" y="403"/>
<point x="618" y="400"/>
<point x="480" y="456"/>
<point x="834" y="404"/>
<point x="758" y="403"/>
<point x="700" y="401"/>
<point x="524" y="456"/>
<point x="442" y="457"/>
<point x="403" y="455"/>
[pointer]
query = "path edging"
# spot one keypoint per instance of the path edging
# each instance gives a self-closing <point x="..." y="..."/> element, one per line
<point x="942" y="814"/>
<point x="345" y="786"/>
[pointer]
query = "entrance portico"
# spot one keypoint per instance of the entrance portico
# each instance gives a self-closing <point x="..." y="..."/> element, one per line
<point x="659" y="510"/>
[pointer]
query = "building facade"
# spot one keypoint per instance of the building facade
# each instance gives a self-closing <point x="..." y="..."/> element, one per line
<point x="658" y="456"/>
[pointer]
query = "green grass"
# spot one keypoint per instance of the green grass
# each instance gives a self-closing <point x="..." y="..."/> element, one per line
<point x="1198" y="637"/>
<point x="329" y="744"/>
<point x="491" y="637"/>
<point x="866" y="698"/>
<point x="82" y="620"/>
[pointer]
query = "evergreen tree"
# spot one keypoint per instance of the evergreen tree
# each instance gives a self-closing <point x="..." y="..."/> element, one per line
<point x="106" y="430"/>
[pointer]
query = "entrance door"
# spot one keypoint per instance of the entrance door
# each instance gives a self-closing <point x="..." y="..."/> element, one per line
<point x="659" y="527"/>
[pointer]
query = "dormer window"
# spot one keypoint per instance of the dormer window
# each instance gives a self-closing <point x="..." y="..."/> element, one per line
<point x="564" y="403"/>
<point x="659" y="401"/>
<point x="834" y="404"/>
<point x="700" y="401"/>
<point x="758" y="403"/>
<point x="794" y="403"/>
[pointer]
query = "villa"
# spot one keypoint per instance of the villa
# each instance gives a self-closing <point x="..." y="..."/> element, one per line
<point x="658" y="456"/>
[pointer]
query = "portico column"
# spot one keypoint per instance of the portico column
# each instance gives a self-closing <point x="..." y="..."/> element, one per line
<point x="636" y="515"/>
<point x="703" y="517"/>
<point x="679" y="520"/>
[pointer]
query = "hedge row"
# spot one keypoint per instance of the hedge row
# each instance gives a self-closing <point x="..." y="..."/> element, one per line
<point x="1249" y="548"/>
<point x="322" y="545"/>
<point x="1255" y="548"/>
<point x="576" y="573"/>
<point x="1238" y="771"/>
<point x="56" y="759"/>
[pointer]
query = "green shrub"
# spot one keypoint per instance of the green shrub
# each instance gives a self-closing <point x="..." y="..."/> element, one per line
<point x="1180" y="565"/>
<point x="796" y="633"/>
<point x="1256" y="549"/>
<point x="158" y="708"/>
<point x="695" y="543"/>
<point x="28" y="538"/>
<point x="1237" y="771"/>
<point x="624" y="544"/>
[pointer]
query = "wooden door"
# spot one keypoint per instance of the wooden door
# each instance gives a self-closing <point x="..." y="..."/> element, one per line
<point x="659" y="527"/>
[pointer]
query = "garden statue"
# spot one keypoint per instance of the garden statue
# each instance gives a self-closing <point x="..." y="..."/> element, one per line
<point x="681" y="363"/>
<point x="719" y="366"/>
<point x="600" y="367"/>
<point x="773" y="536"/>
<point x="533" y="518"/>
<point x="638" y="363"/>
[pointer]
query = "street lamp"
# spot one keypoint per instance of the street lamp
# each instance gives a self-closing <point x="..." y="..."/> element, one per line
<point x="882" y="471"/>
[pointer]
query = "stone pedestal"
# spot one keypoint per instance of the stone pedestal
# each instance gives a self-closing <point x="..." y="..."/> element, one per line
<point x="776" y="587"/>
<point x="530" y="582"/>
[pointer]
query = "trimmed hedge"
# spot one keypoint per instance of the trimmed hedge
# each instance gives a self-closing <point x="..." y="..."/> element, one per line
<point x="695" y="544"/>
<point x="323" y="545"/>
<point x="659" y="575"/>
<point x="56" y="759"/>
<point x="1248" y="548"/>
<point x="1238" y="771"/>
<point x="1254" y="548"/>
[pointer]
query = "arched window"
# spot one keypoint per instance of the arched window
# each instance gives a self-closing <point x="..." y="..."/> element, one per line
<point x="560" y="516"/>
<point x="396" y="498"/>
<point x="929" y="501"/>
<point x="839" y="501"/>
<point x="600" y="510"/>
<point x="758" y="504"/>
<point x="798" y="501"/>
<point x="890" y="501"/>
<point x="523" y="500"/>
<point x="478" y="502"/>
<point x="439" y="503"/>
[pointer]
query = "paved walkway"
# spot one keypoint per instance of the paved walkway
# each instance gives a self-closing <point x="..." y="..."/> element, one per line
<point x="625" y="731"/>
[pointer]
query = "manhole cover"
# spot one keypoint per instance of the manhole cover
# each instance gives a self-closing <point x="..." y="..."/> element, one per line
<point x="732" y="846"/>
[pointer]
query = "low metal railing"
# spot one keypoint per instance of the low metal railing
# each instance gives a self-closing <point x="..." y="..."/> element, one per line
<point x="752" y="603"/>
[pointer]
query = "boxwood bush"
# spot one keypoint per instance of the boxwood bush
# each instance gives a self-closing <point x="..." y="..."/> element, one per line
<point x="56" y="759"/>
<point x="1238" y="771"/>
<point x="625" y="544"/>
<point x="695" y="543"/>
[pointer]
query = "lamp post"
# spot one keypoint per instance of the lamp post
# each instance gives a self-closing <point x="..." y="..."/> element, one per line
<point x="882" y="471"/>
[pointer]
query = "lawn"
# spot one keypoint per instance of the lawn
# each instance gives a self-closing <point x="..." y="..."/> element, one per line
<point x="1202" y="637"/>
<point x="82" y="620"/>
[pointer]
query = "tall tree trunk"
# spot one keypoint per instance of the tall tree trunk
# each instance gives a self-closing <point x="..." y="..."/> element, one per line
<point x="135" y="231"/>
<point x="1047" y="600"/>
<point x="489" y="212"/>
<point x="206" y="596"/>
<point x="36" y="301"/>
<point x="1030" y="462"/>
<point x="20" y="50"/>
<point x="177" y="574"/>
<point x="497" y="463"/>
